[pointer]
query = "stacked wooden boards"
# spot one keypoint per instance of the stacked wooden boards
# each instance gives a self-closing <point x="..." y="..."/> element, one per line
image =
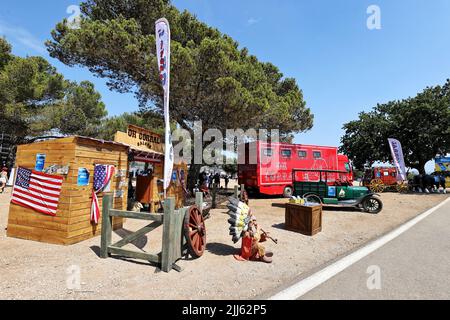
<point x="72" y="221"/>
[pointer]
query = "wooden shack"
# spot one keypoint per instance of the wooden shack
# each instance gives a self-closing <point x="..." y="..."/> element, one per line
<point x="72" y="221"/>
<point x="147" y="147"/>
<point x="68" y="155"/>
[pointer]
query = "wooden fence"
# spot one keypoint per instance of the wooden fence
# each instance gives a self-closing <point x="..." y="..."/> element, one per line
<point x="173" y="240"/>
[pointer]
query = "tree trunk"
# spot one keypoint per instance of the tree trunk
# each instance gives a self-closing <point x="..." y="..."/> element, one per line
<point x="194" y="173"/>
<point x="422" y="164"/>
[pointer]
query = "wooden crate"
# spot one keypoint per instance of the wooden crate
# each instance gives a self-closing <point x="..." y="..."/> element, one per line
<point x="303" y="219"/>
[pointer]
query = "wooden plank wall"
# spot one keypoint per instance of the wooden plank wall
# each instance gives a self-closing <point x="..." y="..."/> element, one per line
<point x="72" y="222"/>
<point x="87" y="155"/>
<point x="28" y="224"/>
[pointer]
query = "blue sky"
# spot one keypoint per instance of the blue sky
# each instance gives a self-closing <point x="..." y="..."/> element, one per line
<point x="342" y="67"/>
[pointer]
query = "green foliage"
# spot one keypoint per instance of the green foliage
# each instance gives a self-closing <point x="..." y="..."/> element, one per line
<point x="421" y="124"/>
<point x="231" y="167"/>
<point x="5" y="53"/>
<point x="147" y="120"/>
<point x="212" y="79"/>
<point x="36" y="100"/>
<point x="82" y="112"/>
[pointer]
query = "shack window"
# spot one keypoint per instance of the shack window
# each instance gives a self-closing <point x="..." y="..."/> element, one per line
<point x="268" y="152"/>
<point x="285" y="153"/>
<point x="317" y="155"/>
<point x="302" y="154"/>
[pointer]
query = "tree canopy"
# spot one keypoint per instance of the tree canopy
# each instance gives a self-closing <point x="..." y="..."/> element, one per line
<point x="421" y="124"/>
<point x="36" y="100"/>
<point x="147" y="120"/>
<point x="212" y="79"/>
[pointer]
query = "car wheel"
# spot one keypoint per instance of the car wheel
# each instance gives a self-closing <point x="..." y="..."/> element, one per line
<point x="373" y="205"/>
<point x="313" y="199"/>
<point x="288" y="192"/>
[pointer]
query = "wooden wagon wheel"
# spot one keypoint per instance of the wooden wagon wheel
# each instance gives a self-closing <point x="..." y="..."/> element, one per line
<point x="195" y="231"/>
<point x="377" y="186"/>
<point x="402" y="187"/>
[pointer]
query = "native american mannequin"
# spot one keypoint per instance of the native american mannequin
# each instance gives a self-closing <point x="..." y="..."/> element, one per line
<point x="257" y="236"/>
<point x="244" y="225"/>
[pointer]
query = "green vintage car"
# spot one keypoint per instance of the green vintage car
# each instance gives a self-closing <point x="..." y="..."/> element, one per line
<point x="337" y="194"/>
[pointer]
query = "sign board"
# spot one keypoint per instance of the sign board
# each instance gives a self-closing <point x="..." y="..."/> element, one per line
<point x="442" y="164"/>
<point x="83" y="177"/>
<point x="141" y="139"/>
<point x="40" y="162"/>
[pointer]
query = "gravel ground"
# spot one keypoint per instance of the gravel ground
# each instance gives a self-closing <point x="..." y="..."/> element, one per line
<point x="32" y="270"/>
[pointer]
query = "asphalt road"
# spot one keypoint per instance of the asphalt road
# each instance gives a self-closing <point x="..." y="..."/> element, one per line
<point x="415" y="265"/>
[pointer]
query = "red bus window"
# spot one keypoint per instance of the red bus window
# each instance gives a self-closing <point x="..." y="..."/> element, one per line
<point x="286" y="153"/>
<point x="268" y="152"/>
<point x="302" y="154"/>
<point x="317" y="155"/>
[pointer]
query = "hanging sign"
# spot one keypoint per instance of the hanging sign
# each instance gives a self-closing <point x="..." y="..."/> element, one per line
<point x="40" y="162"/>
<point x="174" y="176"/>
<point x="83" y="177"/>
<point x="141" y="138"/>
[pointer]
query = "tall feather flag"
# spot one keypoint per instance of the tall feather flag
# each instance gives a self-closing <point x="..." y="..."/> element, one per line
<point x="163" y="56"/>
<point x="397" y="156"/>
<point x="102" y="177"/>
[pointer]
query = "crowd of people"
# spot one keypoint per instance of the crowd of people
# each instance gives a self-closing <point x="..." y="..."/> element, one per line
<point x="210" y="180"/>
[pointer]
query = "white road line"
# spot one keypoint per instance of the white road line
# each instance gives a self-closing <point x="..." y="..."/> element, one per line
<point x="301" y="288"/>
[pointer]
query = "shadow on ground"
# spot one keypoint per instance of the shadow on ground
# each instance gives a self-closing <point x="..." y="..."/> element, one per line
<point x="221" y="249"/>
<point x="140" y="242"/>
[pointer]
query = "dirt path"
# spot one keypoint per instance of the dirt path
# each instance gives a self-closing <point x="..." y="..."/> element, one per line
<point x="31" y="270"/>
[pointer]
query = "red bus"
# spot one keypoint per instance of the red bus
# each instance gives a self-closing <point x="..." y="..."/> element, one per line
<point x="268" y="166"/>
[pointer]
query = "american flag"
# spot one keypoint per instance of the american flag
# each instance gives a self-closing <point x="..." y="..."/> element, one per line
<point x="102" y="177"/>
<point x="37" y="191"/>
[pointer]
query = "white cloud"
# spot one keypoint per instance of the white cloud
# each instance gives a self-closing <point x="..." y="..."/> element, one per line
<point x="22" y="36"/>
<point x="252" y="21"/>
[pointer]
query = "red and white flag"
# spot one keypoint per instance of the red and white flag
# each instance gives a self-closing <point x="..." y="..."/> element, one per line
<point x="102" y="177"/>
<point x="37" y="191"/>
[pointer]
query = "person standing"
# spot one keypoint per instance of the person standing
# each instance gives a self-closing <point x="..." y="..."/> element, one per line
<point x="3" y="179"/>
<point x="227" y="181"/>
<point x="210" y="181"/>
<point x="217" y="180"/>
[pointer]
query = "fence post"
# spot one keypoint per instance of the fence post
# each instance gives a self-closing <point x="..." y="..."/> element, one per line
<point x="214" y="194"/>
<point x="169" y="220"/>
<point x="242" y="191"/>
<point x="107" y="225"/>
<point x="199" y="201"/>
<point x="236" y="191"/>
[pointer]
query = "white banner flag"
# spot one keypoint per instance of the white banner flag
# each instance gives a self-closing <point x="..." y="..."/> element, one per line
<point x="162" y="31"/>
<point x="397" y="155"/>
